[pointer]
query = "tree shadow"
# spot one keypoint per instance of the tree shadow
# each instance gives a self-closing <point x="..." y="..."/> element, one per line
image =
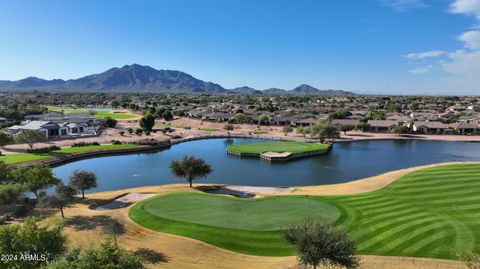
<point x="84" y="223"/>
<point x="151" y="256"/>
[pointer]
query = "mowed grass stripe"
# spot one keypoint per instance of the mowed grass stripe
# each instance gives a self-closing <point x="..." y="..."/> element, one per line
<point x="433" y="212"/>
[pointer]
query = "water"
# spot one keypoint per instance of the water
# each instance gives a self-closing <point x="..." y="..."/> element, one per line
<point x="346" y="162"/>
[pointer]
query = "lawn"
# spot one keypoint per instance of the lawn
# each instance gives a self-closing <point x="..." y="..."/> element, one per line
<point x="99" y="114"/>
<point x="93" y="148"/>
<point x="28" y="157"/>
<point x="433" y="212"/>
<point x="284" y="146"/>
<point x="23" y="157"/>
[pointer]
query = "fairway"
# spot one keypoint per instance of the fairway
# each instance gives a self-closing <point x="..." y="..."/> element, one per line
<point x="433" y="212"/>
<point x="99" y="114"/>
<point x="281" y="146"/>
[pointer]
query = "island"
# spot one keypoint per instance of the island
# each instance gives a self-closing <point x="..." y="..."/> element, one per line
<point x="278" y="150"/>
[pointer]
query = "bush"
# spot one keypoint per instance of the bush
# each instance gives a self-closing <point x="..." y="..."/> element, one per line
<point x="228" y="127"/>
<point x="42" y="150"/>
<point x="116" y="142"/>
<point x="152" y="143"/>
<point x="84" y="144"/>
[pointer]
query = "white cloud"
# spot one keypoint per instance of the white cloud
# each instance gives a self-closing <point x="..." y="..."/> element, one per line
<point x="404" y="5"/>
<point x="471" y="39"/>
<point x="425" y="54"/>
<point x="422" y="70"/>
<point x="464" y="63"/>
<point x="467" y="7"/>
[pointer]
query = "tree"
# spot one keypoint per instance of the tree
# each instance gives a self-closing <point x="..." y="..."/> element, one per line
<point x="63" y="196"/>
<point x="320" y="244"/>
<point x="300" y="130"/>
<point x="107" y="255"/>
<point x="5" y="139"/>
<point x="29" y="137"/>
<point x="9" y="192"/>
<point x="287" y="129"/>
<point x="324" y="131"/>
<point x="190" y="168"/>
<point x="228" y="127"/>
<point x="239" y="118"/>
<point x="341" y="114"/>
<point x="130" y="130"/>
<point x="30" y="238"/>
<point x="110" y="122"/>
<point x="263" y="119"/>
<point x="363" y="126"/>
<point x="83" y="180"/>
<point x="167" y="115"/>
<point x="346" y="128"/>
<point x="402" y="129"/>
<point x="147" y="122"/>
<point x="34" y="178"/>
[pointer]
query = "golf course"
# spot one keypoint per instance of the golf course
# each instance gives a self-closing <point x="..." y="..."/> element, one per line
<point x="277" y="146"/>
<point x="99" y="114"/>
<point x="432" y="212"/>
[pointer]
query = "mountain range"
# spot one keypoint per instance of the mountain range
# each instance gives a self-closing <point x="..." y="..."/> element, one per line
<point x="140" y="78"/>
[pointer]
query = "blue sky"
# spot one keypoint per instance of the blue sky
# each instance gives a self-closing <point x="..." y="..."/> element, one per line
<point x="368" y="46"/>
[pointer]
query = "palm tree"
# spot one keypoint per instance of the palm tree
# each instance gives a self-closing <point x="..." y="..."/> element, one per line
<point x="190" y="168"/>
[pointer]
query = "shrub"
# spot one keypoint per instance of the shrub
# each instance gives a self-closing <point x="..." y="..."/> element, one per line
<point x="84" y="144"/>
<point x="116" y="142"/>
<point x="43" y="150"/>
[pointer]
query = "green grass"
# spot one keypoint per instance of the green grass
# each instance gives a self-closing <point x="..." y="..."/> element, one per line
<point x="23" y="157"/>
<point x="284" y="146"/>
<point x="208" y="129"/>
<point x="260" y="132"/>
<point x="93" y="148"/>
<point x="433" y="212"/>
<point x="28" y="157"/>
<point x="99" y="114"/>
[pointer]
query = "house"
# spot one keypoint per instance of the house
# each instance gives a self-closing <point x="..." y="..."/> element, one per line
<point x="431" y="127"/>
<point x="465" y="128"/>
<point x="59" y="126"/>
<point x="382" y="126"/>
<point x="305" y="122"/>
<point x="54" y="130"/>
<point x="340" y="122"/>
<point x="280" y="120"/>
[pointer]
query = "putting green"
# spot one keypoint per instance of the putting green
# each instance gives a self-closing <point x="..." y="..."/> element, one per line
<point x="433" y="212"/>
<point x="280" y="146"/>
<point x="266" y="214"/>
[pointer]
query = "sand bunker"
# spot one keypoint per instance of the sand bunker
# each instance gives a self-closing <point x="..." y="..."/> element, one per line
<point x="124" y="201"/>
<point x="244" y="191"/>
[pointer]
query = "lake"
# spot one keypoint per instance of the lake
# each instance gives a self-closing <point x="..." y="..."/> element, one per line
<point x="346" y="162"/>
